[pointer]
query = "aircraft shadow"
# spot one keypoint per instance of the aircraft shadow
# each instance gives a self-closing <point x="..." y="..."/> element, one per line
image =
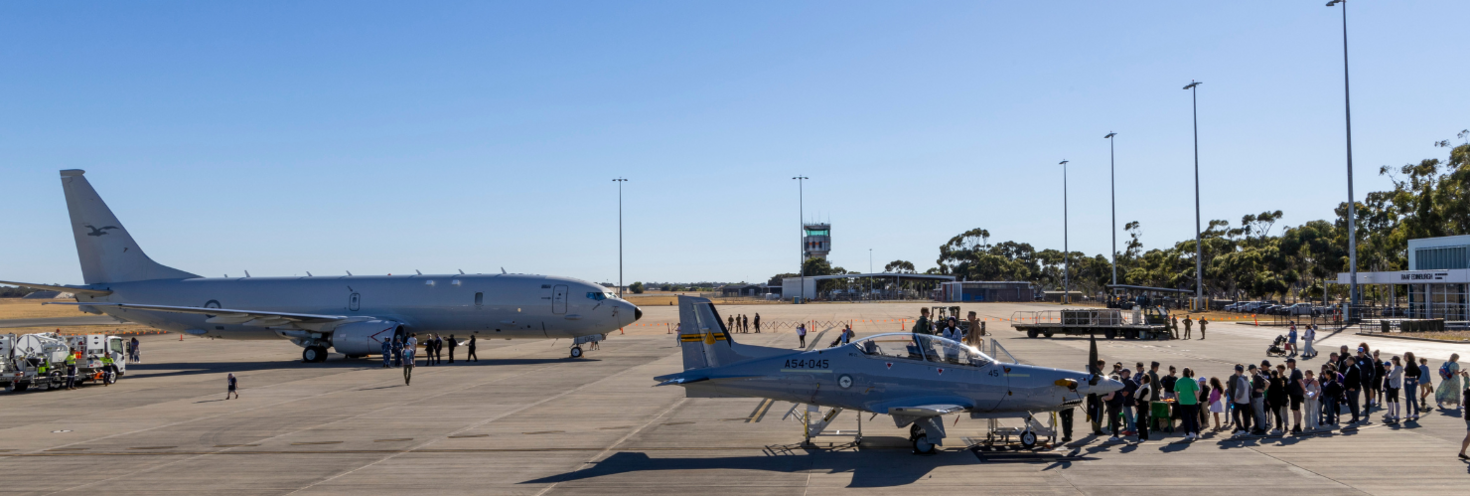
<point x="870" y="468"/>
<point x="175" y="369"/>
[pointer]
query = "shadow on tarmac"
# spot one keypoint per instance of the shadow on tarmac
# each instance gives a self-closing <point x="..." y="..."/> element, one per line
<point x="869" y="467"/>
<point x="196" y="368"/>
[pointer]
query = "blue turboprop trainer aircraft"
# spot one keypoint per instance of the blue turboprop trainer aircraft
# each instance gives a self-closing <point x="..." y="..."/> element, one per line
<point x="914" y="378"/>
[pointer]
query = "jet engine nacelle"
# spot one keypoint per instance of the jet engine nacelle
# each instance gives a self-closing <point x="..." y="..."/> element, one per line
<point x="364" y="338"/>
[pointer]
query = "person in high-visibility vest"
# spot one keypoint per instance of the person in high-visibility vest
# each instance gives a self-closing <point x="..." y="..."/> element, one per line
<point x="109" y="372"/>
<point x="71" y="371"/>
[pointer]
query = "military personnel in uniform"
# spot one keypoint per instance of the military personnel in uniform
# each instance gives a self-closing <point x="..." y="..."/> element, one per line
<point x="1174" y="326"/>
<point x="923" y="326"/>
<point x="1188" y="324"/>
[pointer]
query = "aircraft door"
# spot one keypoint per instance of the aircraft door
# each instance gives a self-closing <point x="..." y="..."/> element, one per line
<point x="354" y="301"/>
<point x="559" y="299"/>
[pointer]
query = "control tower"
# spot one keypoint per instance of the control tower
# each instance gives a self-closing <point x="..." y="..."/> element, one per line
<point x="816" y="240"/>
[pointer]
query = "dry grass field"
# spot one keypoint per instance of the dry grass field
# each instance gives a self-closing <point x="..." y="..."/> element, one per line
<point x="16" y="308"/>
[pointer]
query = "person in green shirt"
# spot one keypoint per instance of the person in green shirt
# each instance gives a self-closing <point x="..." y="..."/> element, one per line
<point x="1187" y="392"/>
<point x="923" y="326"/>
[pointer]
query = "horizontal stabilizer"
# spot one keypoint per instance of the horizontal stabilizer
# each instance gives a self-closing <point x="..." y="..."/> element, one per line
<point x="65" y="289"/>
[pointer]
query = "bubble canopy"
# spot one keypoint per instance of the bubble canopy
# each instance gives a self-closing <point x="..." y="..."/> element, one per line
<point x="921" y="347"/>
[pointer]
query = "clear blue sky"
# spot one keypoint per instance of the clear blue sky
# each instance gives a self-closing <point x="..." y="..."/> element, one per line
<point x="282" y="137"/>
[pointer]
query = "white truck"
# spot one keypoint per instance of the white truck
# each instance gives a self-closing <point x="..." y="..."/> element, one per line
<point x="39" y="360"/>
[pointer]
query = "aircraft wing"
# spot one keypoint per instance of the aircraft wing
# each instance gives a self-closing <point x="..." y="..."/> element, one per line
<point x="256" y="318"/>
<point x="925" y="410"/>
<point x="64" y="289"/>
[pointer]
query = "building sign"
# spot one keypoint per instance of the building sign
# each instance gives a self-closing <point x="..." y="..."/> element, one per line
<point x="1423" y="276"/>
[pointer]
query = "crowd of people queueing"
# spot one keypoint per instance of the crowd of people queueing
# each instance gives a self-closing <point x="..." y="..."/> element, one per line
<point x="1255" y="400"/>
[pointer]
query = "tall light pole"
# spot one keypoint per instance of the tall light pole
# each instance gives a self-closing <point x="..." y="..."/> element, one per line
<point x="1113" y="192"/>
<point x="870" y="271"/>
<point x="1199" y="261"/>
<point x="620" y="182"/>
<point x="801" y="212"/>
<point x="1066" y="247"/>
<point x="1347" y="105"/>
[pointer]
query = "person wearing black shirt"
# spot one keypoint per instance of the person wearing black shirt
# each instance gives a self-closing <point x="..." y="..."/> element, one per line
<point x="1130" y="391"/>
<point x="1295" y="393"/>
<point x="1114" y="401"/>
<point x="1352" y="385"/>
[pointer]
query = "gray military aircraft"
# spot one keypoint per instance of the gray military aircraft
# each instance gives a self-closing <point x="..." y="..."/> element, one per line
<point x="352" y="314"/>
<point x="914" y="378"/>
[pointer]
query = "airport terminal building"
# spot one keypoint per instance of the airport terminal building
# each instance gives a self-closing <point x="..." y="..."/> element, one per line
<point x="986" y="291"/>
<point x="1435" y="284"/>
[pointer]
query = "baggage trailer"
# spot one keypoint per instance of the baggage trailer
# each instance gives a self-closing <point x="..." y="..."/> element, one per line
<point x="1139" y="323"/>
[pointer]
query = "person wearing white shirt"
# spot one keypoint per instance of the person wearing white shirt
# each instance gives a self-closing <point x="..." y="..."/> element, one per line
<point x="1309" y="336"/>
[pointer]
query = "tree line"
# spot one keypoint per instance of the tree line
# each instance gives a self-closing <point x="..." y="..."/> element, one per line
<point x="1252" y="258"/>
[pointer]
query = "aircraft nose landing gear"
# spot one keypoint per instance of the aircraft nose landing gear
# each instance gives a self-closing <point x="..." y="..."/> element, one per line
<point x="576" y="352"/>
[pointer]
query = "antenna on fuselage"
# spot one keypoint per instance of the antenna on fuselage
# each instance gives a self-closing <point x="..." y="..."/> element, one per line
<point x="416" y="271"/>
<point x="308" y="273"/>
<point x="247" y="273"/>
<point x="349" y="273"/>
<point x="461" y="271"/>
<point x="502" y="270"/>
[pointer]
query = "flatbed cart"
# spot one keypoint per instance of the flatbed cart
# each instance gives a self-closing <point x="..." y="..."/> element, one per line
<point x="1140" y="323"/>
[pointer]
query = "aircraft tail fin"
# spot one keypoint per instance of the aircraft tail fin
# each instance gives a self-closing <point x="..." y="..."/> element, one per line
<point x="106" y="250"/>
<point x="706" y="342"/>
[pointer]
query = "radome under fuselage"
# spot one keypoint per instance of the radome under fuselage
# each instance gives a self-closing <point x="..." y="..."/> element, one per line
<point x="507" y="306"/>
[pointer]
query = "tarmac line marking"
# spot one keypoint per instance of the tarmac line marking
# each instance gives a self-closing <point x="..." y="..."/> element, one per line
<point x="350" y="389"/>
<point x="461" y="436"/>
<point x="541" y="432"/>
<point x="623" y="439"/>
<point x="152" y="447"/>
<point x="483" y="422"/>
<point x="760" y="411"/>
<point x="391" y="440"/>
<point x="247" y="410"/>
<point x="316" y="442"/>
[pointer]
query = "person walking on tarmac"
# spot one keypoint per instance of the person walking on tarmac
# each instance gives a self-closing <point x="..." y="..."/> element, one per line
<point x="452" y="345"/>
<point x="231" y="384"/>
<point x="923" y="326"/>
<point x="1187" y="325"/>
<point x="471" y="357"/>
<point x="133" y="351"/>
<point x="757" y="322"/>
<point x="408" y="351"/>
<point x="801" y="334"/>
<point x="387" y="354"/>
<point x="397" y="352"/>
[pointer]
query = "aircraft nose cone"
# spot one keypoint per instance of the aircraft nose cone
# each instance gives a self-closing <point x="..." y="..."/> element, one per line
<point x="637" y="313"/>
<point x="1106" y="386"/>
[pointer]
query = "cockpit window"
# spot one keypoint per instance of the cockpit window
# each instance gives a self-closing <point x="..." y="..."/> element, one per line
<point x="921" y="347"/>
<point x="596" y="295"/>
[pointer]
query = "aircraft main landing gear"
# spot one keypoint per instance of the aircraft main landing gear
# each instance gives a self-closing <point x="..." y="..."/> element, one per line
<point x="576" y="352"/>
<point x="314" y="354"/>
<point x="922" y="446"/>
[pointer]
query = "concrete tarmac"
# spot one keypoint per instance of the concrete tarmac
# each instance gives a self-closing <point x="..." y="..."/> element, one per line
<point x="527" y="420"/>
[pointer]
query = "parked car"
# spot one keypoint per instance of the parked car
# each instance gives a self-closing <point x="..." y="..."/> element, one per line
<point x="1300" y="309"/>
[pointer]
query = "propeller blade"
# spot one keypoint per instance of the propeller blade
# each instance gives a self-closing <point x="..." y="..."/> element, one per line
<point x="1092" y="358"/>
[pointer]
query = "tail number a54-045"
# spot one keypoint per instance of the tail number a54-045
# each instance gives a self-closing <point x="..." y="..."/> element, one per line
<point x="806" y="364"/>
